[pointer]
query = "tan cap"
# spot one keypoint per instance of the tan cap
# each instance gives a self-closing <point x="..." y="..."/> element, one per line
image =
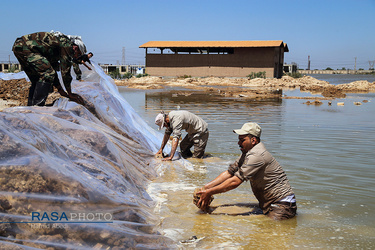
<point x="249" y="128"/>
<point x="159" y="120"/>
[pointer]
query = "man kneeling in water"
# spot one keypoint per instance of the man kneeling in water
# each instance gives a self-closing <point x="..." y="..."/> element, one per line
<point x="267" y="178"/>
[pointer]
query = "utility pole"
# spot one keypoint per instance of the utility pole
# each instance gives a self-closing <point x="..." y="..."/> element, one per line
<point x="10" y="65"/>
<point x="371" y="63"/>
<point x="308" y="63"/>
<point x="123" y="55"/>
<point x="355" y="64"/>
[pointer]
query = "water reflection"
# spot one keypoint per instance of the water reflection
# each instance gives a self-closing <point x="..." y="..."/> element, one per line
<point x="222" y="114"/>
<point x="326" y="151"/>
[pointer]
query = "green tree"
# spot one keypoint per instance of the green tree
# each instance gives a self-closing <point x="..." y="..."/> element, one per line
<point x="141" y="75"/>
<point x="294" y="75"/>
<point x="115" y="74"/>
<point x="261" y="74"/>
<point x="127" y="75"/>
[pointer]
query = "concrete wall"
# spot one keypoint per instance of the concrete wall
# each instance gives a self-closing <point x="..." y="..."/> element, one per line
<point x="204" y="71"/>
<point x="311" y="72"/>
<point x="239" y="64"/>
<point x="134" y="69"/>
<point x="6" y="67"/>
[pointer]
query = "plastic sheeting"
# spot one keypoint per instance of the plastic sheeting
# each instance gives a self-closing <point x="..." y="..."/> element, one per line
<point x="72" y="158"/>
<point x="10" y="76"/>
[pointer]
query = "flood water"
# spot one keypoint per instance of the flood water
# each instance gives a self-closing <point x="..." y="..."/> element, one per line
<point x="343" y="78"/>
<point x="326" y="151"/>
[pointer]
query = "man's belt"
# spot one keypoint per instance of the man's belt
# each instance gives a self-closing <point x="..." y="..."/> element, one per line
<point x="286" y="203"/>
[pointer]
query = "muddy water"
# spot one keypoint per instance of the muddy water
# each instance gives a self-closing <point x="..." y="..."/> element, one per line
<point x="326" y="151"/>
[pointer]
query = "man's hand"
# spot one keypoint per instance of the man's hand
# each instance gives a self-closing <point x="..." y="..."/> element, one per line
<point x="196" y="196"/>
<point x="86" y="65"/>
<point x="159" y="154"/>
<point x="205" y="199"/>
<point x="168" y="158"/>
<point x="76" y="98"/>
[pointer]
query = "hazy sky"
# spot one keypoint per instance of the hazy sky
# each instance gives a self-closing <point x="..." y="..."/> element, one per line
<point x="332" y="32"/>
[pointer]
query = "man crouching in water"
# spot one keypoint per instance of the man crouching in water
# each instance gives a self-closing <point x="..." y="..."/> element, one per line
<point x="175" y="122"/>
<point x="267" y="178"/>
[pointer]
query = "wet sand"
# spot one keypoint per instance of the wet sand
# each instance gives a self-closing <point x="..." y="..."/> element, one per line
<point x="258" y="85"/>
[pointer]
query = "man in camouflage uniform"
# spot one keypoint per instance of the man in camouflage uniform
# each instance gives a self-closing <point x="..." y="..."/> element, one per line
<point x="41" y="55"/>
<point x="81" y="60"/>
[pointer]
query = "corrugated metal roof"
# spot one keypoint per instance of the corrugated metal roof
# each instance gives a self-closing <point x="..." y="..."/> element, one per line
<point x="210" y="44"/>
<point x="286" y="49"/>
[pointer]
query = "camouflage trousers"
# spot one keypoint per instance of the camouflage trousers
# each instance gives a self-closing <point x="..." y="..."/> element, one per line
<point x="39" y="70"/>
<point x="198" y="140"/>
<point x="78" y="71"/>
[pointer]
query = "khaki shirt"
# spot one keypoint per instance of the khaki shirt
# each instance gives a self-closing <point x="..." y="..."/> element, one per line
<point x="268" y="180"/>
<point x="181" y="119"/>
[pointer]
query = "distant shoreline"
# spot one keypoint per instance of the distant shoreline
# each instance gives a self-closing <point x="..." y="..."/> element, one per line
<point x="15" y="92"/>
<point x="337" y="72"/>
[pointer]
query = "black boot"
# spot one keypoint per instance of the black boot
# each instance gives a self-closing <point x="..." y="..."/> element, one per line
<point x="31" y="94"/>
<point x="41" y="91"/>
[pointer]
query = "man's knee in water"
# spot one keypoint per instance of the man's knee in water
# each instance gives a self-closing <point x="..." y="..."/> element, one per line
<point x="282" y="212"/>
<point x="199" y="154"/>
<point x="186" y="153"/>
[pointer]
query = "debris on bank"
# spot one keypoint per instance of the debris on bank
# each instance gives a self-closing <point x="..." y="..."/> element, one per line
<point x="16" y="91"/>
<point x="316" y="102"/>
<point x="250" y="88"/>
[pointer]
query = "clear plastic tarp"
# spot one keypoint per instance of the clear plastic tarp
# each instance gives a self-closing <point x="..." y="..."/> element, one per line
<point x="86" y="162"/>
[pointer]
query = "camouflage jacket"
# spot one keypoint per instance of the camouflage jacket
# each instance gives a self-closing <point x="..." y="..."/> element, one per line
<point x="57" y="50"/>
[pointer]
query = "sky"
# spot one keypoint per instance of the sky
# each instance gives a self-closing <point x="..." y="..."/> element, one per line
<point x="334" y="33"/>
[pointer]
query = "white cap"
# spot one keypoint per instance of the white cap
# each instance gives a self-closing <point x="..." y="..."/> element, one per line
<point x="249" y="128"/>
<point x="159" y="120"/>
<point x="77" y="40"/>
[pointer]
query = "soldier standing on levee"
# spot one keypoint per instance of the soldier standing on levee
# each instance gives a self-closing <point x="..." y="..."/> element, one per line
<point x="41" y="55"/>
<point x="81" y="60"/>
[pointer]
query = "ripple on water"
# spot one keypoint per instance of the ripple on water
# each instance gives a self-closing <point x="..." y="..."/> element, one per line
<point x="326" y="151"/>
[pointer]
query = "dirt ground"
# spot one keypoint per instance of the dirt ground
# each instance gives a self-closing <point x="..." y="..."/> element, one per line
<point x="305" y="83"/>
<point x="254" y="88"/>
<point x="239" y="85"/>
<point x="15" y="92"/>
